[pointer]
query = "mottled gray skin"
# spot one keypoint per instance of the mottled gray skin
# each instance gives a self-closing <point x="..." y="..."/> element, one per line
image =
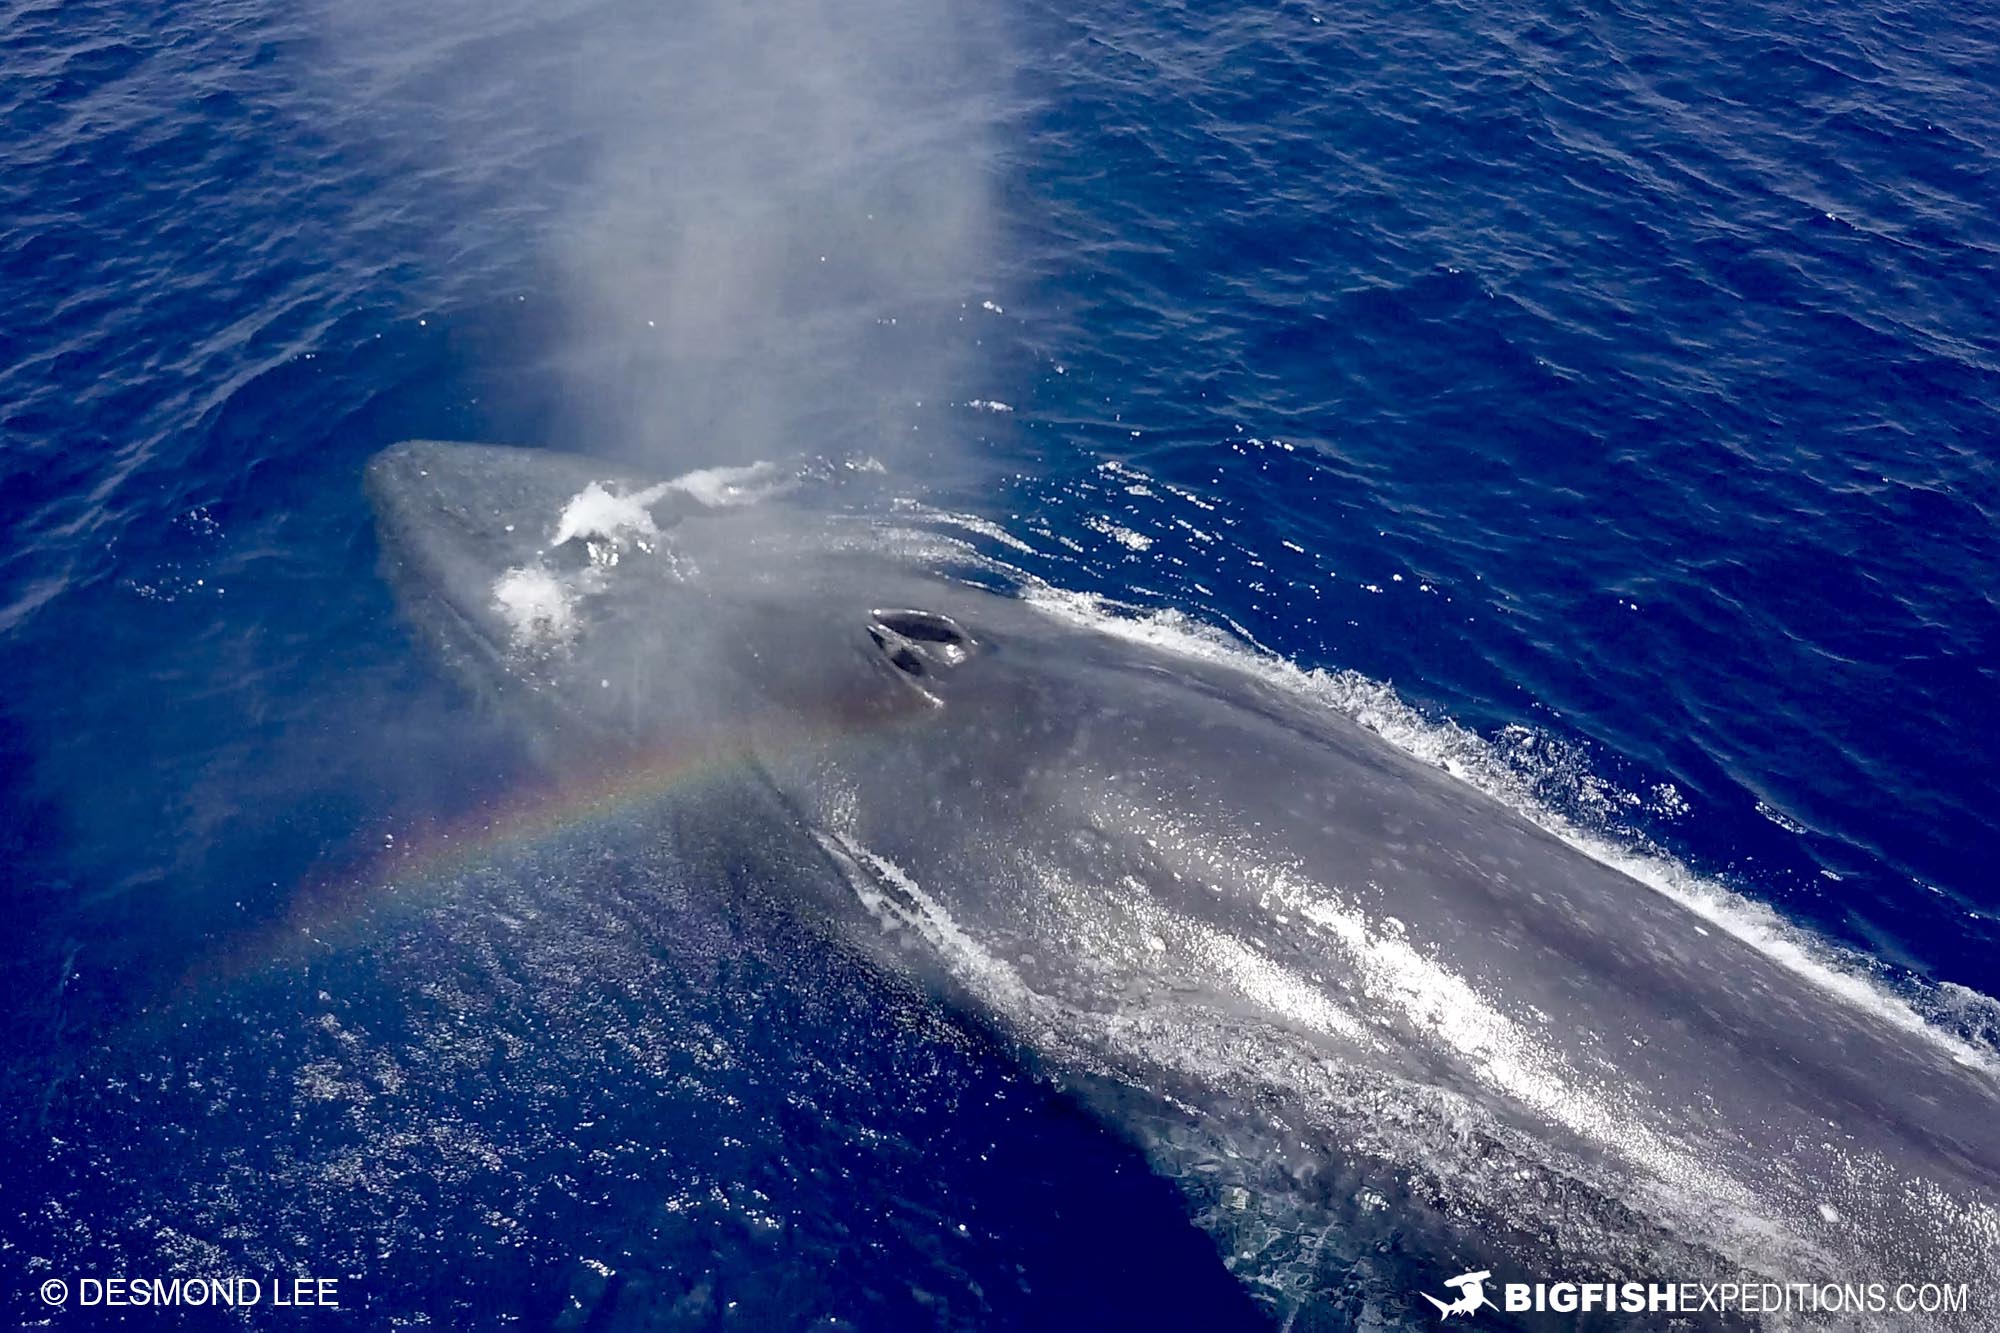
<point x="1314" y="974"/>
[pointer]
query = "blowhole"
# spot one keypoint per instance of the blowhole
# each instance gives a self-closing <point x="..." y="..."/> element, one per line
<point x="923" y="626"/>
<point x="918" y="642"/>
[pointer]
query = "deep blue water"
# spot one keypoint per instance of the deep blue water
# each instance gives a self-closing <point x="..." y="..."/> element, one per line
<point x="1620" y="385"/>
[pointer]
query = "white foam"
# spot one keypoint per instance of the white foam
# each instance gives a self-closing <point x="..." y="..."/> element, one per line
<point x="911" y="908"/>
<point x="1240" y="969"/>
<point x="595" y="515"/>
<point x="539" y="608"/>
<point x="725" y="487"/>
<point x="970" y="522"/>
<point x="1473" y="760"/>
<point x="1126" y="537"/>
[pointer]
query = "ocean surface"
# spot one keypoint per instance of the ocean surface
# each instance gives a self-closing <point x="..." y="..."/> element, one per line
<point x="1604" y="400"/>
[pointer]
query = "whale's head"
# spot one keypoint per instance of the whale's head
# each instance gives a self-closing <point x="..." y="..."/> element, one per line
<point x="628" y="608"/>
<point x="469" y="532"/>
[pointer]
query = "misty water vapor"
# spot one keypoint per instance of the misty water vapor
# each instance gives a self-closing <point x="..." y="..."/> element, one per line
<point x="786" y="197"/>
<point x="768" y="220"/>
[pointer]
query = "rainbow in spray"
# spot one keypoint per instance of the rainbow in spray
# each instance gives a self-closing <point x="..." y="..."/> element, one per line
<point x="330" y="908"/>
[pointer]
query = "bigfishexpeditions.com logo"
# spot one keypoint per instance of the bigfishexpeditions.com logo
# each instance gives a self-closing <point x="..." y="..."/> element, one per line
<point x="1471" y="1289"/>
<point x="1718" y="1298"/>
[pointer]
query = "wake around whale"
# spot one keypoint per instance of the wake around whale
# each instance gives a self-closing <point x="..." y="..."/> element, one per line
<point x="1354" y="1005"/>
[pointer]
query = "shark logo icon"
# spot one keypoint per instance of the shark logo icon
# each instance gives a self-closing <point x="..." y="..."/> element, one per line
<point x="1471" y="1294"/>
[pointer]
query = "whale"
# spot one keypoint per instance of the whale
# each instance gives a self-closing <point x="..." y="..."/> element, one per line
<point x="1371" y="1019"/>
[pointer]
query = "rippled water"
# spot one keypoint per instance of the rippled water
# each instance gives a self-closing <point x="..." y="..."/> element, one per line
<point x="1618" y="386"/>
